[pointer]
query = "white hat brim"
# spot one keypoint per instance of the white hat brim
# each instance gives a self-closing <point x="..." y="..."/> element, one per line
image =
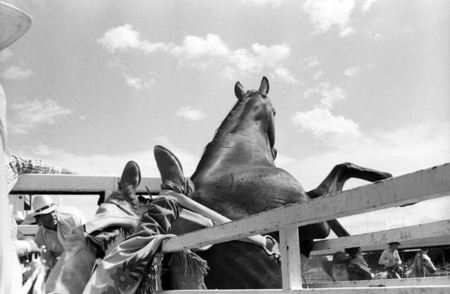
<point x="45" y="211"/>
<point x="13" y="24"/>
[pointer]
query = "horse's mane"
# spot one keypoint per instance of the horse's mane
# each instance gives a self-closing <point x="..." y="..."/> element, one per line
<point x="223" y="126"/>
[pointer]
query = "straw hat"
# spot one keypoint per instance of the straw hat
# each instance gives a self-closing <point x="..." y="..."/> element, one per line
<point x="43" y="204"/>
<point x="13" y="24"/>
<point x="393" y="243"/>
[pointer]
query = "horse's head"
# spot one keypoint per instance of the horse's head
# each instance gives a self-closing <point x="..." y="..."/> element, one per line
<point x="259" y="106"/>
<point x="426" y="261"/>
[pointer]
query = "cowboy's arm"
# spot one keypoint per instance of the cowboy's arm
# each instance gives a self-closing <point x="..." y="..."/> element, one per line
<point x="397" y="258"/>
<point x="47" y="255"/>
<point x="18" y="166"/>
<point x="35" y="166"/>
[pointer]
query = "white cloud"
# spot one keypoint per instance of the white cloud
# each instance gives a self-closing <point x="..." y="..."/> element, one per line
<point x="203" y="52"/>
<point x="321" y="122"/>
<point x="193" y="47"/>
<point x="286" y="75"/>
<point x="324" y="125"/>
<point x="16" y="73"/>
<point x="29" y="115"/>
<point x="367" y="5"/>
<point x="327" y="94"/>
<point x="346" y="32"/>
<point x="311" y="61"/>
<point x="189" y="113"/>
<point x="138" y="83"/>
<point x="318" y="75"/>
<point x="125" y="37"/>
<point x="272" y="3"/>
<point x="326" y="13"/>
<point x="351" y="71"/>
<point x="5" y="54"/>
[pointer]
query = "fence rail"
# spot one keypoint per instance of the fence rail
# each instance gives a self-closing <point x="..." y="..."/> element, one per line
<point x="406" y="189"/>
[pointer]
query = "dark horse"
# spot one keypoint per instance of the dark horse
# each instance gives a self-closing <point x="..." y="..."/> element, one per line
<point x="237" y="177"/>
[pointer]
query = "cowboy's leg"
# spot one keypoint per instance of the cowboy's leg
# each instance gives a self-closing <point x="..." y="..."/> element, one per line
<point x="124" y="266"/>
<point x="173" y="179"/>
<point x="90" y="241"/>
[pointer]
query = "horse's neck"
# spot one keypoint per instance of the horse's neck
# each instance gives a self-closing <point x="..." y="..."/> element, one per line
<point x="236" y="130"/>
<point x="417" y="268"/>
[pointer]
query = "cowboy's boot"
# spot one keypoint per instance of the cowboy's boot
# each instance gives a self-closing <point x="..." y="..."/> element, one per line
<point x="171" y="171"/>
<point x="128" y="183"/>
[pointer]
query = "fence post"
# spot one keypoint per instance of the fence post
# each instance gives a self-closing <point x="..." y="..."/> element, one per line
<point x="290" y="258"/>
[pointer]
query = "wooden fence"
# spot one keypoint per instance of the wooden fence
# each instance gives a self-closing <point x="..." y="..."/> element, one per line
<point x="410" y="188"/>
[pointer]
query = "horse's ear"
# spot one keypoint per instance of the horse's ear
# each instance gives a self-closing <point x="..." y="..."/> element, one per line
<point x="239" y="91"/>
<point x="264" y="88"/>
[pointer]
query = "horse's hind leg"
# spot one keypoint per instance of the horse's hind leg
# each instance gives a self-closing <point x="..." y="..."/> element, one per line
<point x="335" y="181"/>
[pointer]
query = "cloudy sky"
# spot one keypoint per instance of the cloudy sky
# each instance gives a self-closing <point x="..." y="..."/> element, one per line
<point x="94" y="84"/>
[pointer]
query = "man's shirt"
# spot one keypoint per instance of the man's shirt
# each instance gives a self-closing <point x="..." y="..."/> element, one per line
<point x="56" y="242"/>
<point x="388" y="258"/>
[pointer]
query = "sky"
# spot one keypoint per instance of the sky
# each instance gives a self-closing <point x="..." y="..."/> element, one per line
<point x="94" y="84"/>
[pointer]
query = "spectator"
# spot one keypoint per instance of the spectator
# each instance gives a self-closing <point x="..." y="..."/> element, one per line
<point x="337" y="268"/>
<point x="391" y="260"/>
<point x="358" y="269"/>
<point x="16" y="167"/>
<point x="55" y="228"/>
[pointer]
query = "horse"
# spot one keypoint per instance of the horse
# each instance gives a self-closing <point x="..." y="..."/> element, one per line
<point x="237" y="177"/>
<point x="421" y="265"/>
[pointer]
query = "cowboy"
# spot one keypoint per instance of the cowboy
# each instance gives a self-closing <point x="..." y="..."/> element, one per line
<point x="391" y="260"/>
<point x="337" y="267"/>
<point x="120" y="237"/>
<point x="358" y="269"/>
<point x="55" y="228"/>
<point x="13" y="24"/>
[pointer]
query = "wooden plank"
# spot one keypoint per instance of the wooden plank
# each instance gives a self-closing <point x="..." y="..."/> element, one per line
<point x="439" y="232"/>
<point x="42" y="183"/>
<point x="435" y="281"/>
<point x="442" y="289"/>
<point x="410" y="188"/>
<point x="290" y="261"/>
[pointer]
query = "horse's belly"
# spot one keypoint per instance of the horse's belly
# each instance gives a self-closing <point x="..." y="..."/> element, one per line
<point x="245" y="192"/>
<point x="240" y="265"/>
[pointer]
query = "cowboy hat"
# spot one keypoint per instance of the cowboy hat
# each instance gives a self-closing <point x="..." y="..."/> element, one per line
<point x="393" y="243"/>
<point x="42" y="204"/>
<point x="340" y="257"/>
<point x="13" y="24"/>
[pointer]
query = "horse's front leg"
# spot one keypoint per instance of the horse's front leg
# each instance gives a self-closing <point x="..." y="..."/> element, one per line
<point x="335" y="181"/>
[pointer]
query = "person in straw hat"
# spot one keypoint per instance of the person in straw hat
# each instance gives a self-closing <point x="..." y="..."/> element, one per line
<point x="13" y="24"/>
<point x="54" y="228"/>
<point x="391" y="260"/>
<point x="337" y="267"/>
